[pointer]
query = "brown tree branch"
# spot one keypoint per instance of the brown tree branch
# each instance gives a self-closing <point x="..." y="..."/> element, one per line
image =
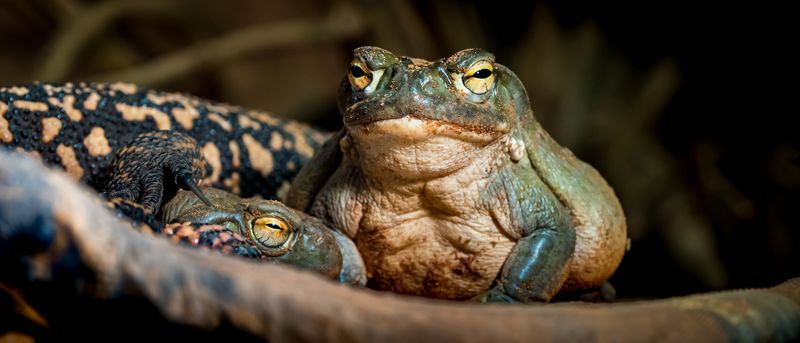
<point x="91" y="274"/>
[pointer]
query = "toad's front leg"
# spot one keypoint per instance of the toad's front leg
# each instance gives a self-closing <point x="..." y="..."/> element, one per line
<point x="536" y="268"/>
<point x="538" y="265"/>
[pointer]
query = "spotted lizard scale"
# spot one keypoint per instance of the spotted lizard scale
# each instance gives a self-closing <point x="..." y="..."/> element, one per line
<point x="81" y="126"/>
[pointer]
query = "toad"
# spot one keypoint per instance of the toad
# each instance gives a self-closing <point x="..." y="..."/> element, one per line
<point x="451" y="189"/>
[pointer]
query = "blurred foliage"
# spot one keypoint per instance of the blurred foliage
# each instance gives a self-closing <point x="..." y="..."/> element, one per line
<point x="648" y="98"/>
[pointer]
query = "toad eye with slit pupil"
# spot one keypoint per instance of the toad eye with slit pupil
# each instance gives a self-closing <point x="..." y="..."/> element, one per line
<point x="482" y="74"/>
<point x="270" y="232"/>
<point x="479" y="78"/>
<point x="359" y="75"/>
<point x="356" y="71"/>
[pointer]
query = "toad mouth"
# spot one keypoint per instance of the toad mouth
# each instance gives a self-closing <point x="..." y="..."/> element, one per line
<point x="416" y="128"/>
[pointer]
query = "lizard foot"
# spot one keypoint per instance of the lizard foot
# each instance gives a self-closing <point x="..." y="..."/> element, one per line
<point x="153" y="166"/>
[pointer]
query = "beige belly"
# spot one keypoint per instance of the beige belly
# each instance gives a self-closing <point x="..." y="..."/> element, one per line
<point x="433" y="258"/>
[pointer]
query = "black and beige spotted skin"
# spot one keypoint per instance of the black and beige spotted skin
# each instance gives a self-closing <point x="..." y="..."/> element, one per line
<point x="80" y="127"/>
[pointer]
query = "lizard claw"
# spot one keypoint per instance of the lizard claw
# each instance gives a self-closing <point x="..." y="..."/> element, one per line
<point x="185" y="182"/>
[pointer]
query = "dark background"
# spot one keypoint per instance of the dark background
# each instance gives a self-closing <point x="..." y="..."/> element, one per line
<point x="686" y="109"/>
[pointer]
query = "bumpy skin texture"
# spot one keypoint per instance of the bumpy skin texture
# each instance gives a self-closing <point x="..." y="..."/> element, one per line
<point x="138" y="145"/>
<point x="81" y="126"/>
<point x="55" y="255"/>
<point x="307" y="243"/>
<point x="457" y="192"/>
<point x="156" y="137"/>
<point x="213" y="237"/>
<point x="150" y="168"/>
<point x="159" y="160"/>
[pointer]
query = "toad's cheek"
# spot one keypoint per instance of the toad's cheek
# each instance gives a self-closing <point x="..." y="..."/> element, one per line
<point x="316" y="249"/>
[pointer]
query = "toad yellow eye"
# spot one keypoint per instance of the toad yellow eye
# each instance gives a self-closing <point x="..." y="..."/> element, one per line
<point x="270" y="232"/>
<point x="359" y="75"/>
<point x="362" y="78"/>
<point x="479" y="78"/>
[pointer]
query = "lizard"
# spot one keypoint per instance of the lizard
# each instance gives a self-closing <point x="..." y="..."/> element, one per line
<point x="81" y="126"/>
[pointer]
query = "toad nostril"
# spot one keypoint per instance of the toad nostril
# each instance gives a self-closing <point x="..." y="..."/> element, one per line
<point x="390" y="74"/>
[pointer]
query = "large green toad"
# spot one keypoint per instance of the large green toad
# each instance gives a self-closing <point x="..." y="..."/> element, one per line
<point x="451" y="189"/>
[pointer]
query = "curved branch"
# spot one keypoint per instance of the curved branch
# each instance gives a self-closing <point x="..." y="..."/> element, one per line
<point x="65" y="252"/>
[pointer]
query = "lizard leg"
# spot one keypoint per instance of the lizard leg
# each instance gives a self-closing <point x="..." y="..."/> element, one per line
<point x="153" y="166"/>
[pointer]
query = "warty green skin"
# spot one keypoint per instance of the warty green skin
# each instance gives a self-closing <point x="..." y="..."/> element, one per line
<point x="312" y="245"/>
<point x="497" y="209"/>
